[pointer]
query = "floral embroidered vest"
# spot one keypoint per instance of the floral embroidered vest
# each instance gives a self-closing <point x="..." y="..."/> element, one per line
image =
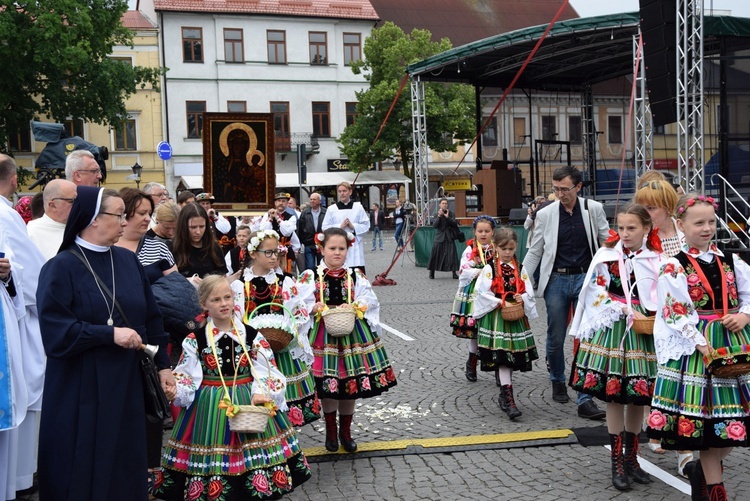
<point x="697" y="289"/>
<point x="615" y="281"/>
<point x="230" y="355"/>
<point x="258" y="292"/>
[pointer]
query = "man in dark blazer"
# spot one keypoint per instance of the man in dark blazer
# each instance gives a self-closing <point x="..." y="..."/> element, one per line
<point x="377" y="221"/>
<point x="309" y="223"/>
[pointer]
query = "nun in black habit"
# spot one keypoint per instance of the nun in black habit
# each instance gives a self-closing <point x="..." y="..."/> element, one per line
<point x="93" y="429"/>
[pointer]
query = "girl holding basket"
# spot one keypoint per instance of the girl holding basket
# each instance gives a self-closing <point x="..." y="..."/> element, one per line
<point x="350" y="358"/>
<point x="204" y="458"/>
<point x="272" y="305"/>
<point x="503" y="306"/>
<point x="701" y="332"/>
<point x="614" y="362"/>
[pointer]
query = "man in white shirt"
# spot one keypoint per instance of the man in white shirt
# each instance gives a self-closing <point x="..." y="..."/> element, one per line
<point x="283" y="222"/>
<point x="352" y="217"/>
<point x="47" y="231"/>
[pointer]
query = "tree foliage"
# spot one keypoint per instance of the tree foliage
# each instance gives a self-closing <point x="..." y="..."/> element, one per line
<point x="449" y="108"/>
<point x="54" y="55"/>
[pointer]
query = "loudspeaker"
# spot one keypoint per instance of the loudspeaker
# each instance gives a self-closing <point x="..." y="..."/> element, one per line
<point x="659" y="30"/>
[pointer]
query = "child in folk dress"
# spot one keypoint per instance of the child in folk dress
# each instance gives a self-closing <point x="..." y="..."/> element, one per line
<point x="204" y="458"/>
<point x="704" y="304"/>
<point x="506" y="344"/>
<point x="477" y="254"/>
<point x="613" y="362"/>
<point x="355" y="365"/>
<point x="263" y="284"/>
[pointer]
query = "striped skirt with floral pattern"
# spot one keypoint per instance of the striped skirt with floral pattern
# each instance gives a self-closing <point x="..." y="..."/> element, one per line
<point x="463" y="325"/>
<point x="693" y="409"/>
<point x="352" y="366"/>
<point x="303" y="402"/>
<point x="505" y="343"/>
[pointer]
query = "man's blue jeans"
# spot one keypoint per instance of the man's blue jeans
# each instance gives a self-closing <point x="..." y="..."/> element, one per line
<point x="560" y="297"/>
<point x="399" y="238"/>
<point x="312" y="258"/>
<point x="377" y="232"/>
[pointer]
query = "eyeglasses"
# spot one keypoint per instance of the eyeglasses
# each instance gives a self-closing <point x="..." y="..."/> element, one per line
<point x="558" y="189"/>
<point x="93" y="171"/>
<point x="118" y="216"/>
<point x="269" y="253"/>
<point x="71" y="200"/>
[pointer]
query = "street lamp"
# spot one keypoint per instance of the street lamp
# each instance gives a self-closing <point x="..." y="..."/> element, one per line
<point x="137" y="169"/>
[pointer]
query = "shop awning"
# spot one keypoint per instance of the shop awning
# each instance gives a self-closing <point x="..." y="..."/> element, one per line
<point x="317" y="179"/>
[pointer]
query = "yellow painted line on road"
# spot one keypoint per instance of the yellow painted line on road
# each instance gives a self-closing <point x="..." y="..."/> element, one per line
<point x="501" y="438"/>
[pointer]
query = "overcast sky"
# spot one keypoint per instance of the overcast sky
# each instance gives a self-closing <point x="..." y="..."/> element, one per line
<point x="588" y="8"/>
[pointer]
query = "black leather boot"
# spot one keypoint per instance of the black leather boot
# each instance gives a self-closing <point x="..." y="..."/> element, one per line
<point x="620" y="479"/>
<point x="432" y="273"/>
<point x="332" y="441"/>
<point x="698" y="488"/>
<point x="508" y="403"/>
<point x="632" y="468"/>
<point x="717" y="492"/>
<point x="471" y="367"/>
<point x="345" y="433"/>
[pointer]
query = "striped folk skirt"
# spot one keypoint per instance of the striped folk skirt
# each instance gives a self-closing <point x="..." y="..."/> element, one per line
<point x="692" y="409"/>
<point x="350" y="367"/>
<point x="506" y="344"/>
<point x="303" y="402"/>
<point x="616" y="365"/>
<point x="206" y="460"/>
<point x="463" y="325"/>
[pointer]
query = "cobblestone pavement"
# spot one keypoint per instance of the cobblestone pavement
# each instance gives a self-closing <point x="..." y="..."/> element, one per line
<point x="434" y="400"/>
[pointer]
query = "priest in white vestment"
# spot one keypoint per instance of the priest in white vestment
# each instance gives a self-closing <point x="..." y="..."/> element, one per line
<point x="47" y="231"/>
<point x="352" y="217"/>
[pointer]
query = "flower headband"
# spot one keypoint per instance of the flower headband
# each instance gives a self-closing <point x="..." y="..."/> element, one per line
<point x="254" y="242"/>
<point x="319" y="238"/>
<point x="481" y="218"/>
<point x="700" y="198"/>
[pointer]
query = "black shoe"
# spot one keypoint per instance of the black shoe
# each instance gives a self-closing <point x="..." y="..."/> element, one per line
<point x="620" y="479"/>
<point x="508" y="403"/>
<point x="432" y="274"/>
<point x="455" y="276"/>
<point x="560" y="392"/>
<point x="589" y="410"/>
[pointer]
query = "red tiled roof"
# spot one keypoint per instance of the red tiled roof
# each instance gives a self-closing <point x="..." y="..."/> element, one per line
<point x="341" y="9"/>
<point x="135" y="20"/>
<point x="465" y="21"/>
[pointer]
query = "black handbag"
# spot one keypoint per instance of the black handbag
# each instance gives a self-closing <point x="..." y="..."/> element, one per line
<point x="459" y="235"/>
<point x="156" y="403"/>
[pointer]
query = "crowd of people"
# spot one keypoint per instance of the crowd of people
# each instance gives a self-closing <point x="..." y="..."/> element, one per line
<point x="233" y="316"/>
<point x="274" y="315"/>
<point x="660" y="314"/>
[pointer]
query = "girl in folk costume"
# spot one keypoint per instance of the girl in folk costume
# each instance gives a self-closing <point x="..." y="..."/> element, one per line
<point x="704" y="301"/>
<point x="204" y="458"/>
<point x="263" y="284"/>
<point x="355" y="365"/>
<point x="613" y="362"/>
<point x="507" y="345"/>
<point x="477" y="254"/>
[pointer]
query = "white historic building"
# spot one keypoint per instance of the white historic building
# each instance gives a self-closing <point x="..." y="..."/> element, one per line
<point x="288" y="57"/>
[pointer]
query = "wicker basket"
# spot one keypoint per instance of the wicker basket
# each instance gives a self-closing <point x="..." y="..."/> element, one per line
<point x="339" y="321"/>
<point x="644" y="325"/>
<point x="729" y="361"/>
<point x="277" y="338"/>
<point x="250" y="419"/>
<point x="511" y="310"/>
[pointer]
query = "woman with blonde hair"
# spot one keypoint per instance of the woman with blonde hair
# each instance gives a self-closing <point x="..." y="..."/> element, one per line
<point x="660" y="199"/>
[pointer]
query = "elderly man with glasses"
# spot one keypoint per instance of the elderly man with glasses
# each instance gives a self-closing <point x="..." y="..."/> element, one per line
<point x="82" y="168"/>
<point x="566" y="236"/>
<point x="47" y="231"/>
